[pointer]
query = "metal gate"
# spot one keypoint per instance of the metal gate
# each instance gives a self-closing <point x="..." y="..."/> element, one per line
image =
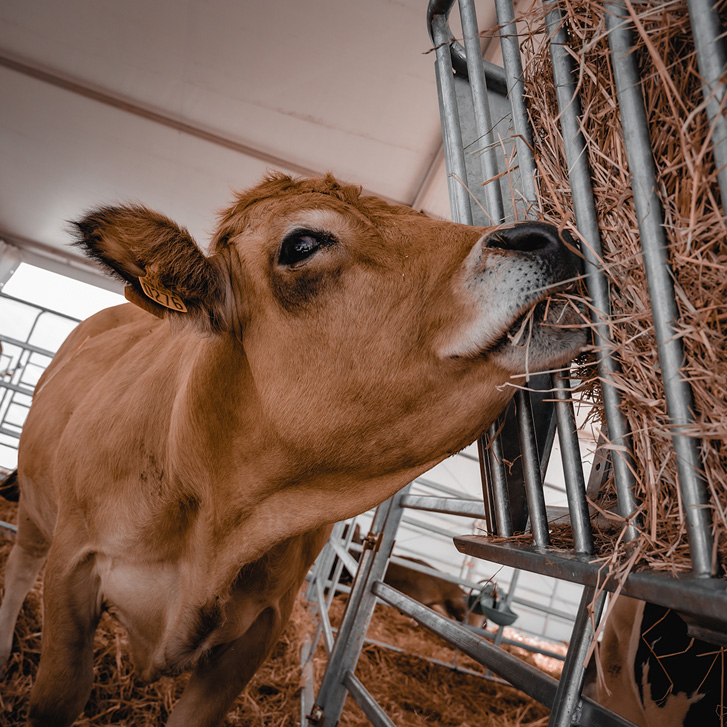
<point x="474" y="98"/>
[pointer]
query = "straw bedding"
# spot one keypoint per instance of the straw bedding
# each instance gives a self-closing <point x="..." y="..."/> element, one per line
<point x="413" y="691"/>
<point x="696" y="230"/>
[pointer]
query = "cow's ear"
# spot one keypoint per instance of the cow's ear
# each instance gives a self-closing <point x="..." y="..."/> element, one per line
<point x="165" y="272"/>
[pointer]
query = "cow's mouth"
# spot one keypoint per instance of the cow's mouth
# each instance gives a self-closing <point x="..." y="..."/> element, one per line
<point x="559" y="309"/>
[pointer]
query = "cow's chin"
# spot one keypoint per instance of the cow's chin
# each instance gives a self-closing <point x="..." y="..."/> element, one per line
<point x="547" y="337"/>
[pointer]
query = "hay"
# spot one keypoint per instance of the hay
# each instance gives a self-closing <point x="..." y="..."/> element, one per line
<point x="697" y="239"/>
<point x="413" y="691"/>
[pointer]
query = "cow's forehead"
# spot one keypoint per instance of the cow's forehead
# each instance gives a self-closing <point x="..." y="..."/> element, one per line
<point x="289" y="194"/>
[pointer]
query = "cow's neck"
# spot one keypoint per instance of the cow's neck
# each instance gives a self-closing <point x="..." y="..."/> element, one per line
<point x="252" y="491"/>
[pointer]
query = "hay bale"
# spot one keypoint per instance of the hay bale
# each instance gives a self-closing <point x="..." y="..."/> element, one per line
<point x="697" y="239"/>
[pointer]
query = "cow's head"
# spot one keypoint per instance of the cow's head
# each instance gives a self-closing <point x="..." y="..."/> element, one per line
<point x="377" y="338"/>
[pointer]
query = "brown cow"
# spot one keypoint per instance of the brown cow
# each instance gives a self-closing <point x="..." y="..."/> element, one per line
<point x="181" y="469"/>
<point x="443" y="596"/>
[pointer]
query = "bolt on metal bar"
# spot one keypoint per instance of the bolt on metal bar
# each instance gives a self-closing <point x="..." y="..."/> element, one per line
<point x="709" y="42"/>
<point x="481" y="108"/>
<point x="571" y="679"/>
<point x="579" y="175"/>
<point x="575" y="485"/>
<point x="660" y="283"/>
<point x="531" y="470"/>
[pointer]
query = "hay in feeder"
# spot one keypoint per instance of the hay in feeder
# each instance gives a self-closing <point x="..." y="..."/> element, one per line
<point x="696" y="231"/>
<point x="414" y="691"/>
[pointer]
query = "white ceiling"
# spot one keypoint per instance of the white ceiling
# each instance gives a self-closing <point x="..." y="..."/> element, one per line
<point x="176" y="103"/>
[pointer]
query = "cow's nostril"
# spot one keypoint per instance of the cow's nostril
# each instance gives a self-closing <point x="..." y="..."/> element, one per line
<point x="526" y="237"/>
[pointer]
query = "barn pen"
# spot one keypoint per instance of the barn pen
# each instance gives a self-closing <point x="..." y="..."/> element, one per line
<point x="649" y="521"/>
<point x="637" y="425"/>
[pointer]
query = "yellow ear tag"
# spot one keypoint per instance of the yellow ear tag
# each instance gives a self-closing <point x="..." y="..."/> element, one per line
<point x="161" y="295"/>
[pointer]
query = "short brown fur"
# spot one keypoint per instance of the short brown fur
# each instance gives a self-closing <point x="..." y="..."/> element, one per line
<point x="183" y="471"/>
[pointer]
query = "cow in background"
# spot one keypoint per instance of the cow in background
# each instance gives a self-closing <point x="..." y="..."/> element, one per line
<point x="184" y="456"/>
<point x="441" y="595"/>
<point x="657" y="675"/>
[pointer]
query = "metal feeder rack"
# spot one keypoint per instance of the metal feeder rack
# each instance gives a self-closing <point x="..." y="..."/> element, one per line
<point x="485" y="103"/>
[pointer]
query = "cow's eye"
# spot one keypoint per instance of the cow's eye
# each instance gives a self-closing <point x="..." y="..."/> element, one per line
<point x="301" y="244"/>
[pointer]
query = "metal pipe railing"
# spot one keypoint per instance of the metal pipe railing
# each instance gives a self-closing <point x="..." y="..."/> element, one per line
<point x="709" y="42"/>
<point x="587" y="222"/>
<point x="659" y="278"/>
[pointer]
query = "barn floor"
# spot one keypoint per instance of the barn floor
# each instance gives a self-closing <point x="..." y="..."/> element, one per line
<point x="412" y="690"/>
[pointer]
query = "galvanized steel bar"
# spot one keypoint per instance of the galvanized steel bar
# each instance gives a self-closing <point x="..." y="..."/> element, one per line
<point x="531" y="470"/>
<point x="585" y="211"/>
<point x="324" y="561"/>
<point x="570" y="685"/>
<point x="575" y="485"/>
<point x="447" y="505"/>
<point x="453" y="151"/>
<point x="323" y="616"/>
<point x="366" y="701"/>
<point x="660" y="283"/>
<point x="516" y="95"/>
<point x="529" y="679"/>
<point x="495" y="75"/>
<point x="498" y="482"/>
<point x="360" y="608"/>
<point x="481" y="108"/>
<point x="701" y="597"/>
<point x="709" y="41"/>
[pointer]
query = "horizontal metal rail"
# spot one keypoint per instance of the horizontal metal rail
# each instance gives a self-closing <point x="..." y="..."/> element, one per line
<point x="446" y="505"/>
<point x="26" y="346"/>
<point x="701" y="597"/>
<point x="528" y="679"/>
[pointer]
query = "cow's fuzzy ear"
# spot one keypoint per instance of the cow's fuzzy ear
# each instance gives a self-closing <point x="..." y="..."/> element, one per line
<point x="165" y="272"/>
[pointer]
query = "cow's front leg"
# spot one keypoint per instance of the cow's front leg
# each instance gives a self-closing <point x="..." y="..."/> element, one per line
<point x="217" y="681"/>
<point x="21" y="571"/>
<point x="71" y="611"/>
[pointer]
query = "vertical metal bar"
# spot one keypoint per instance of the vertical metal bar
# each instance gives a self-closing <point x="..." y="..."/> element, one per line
<point x="486" y="480"/>
<point x="322" y="566"/>
<point x="660" y="283"/>
<point x="567" y="697"/>
<point x="709" y="42"/>
<point x="573" y="468"/>
<point x="531" y="470"/>
<point x="575" y="484"/>
<point x="516" y="95"/>
<point x="453" y="151"/>
<point x="481" y="106"/>
<point x="528" y="446"/>
<point x="501" y="495"/>
<point x="585" y="210"/>
<point x="359" y="610"/>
